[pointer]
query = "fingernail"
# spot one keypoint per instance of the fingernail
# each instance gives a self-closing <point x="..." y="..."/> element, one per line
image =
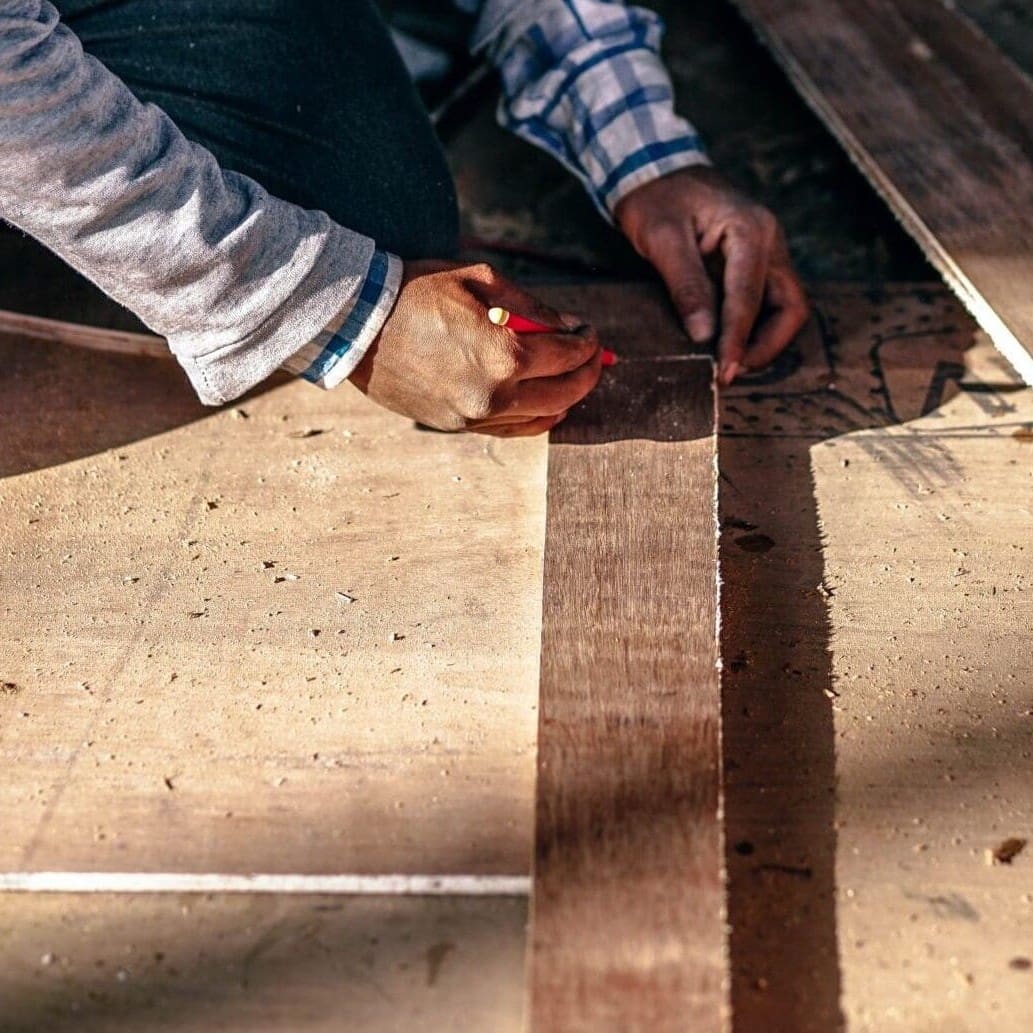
<point x="571" y="322"/>
<point x="609" y="357"/>
<point x="700" y="326"/>
<point x="729" y="371"/>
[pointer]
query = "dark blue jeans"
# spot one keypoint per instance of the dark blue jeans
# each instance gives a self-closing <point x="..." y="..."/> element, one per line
<point x="308" y="97"/>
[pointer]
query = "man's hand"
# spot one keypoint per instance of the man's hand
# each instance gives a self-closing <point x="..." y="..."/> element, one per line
<point x="440" y="361"/>
<point x="680" y="221"/>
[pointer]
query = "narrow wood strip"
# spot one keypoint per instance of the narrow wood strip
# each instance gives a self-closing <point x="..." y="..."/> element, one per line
<point x="938" y="120"/>
<point x="627" y="929"/>
<point x="119" y="342"/>
<point x="223" y="882"/>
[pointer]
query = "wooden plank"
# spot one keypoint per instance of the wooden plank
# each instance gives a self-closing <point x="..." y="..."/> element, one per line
<point x="940" y="122"/>
<point x="180" y="705"/>
<point x="627" y="929"/>
<point x="876" y="500"/>
<point x="248" y="964"/>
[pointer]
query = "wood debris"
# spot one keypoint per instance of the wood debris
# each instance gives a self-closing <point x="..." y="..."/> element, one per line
<point x="1006" y="852"/>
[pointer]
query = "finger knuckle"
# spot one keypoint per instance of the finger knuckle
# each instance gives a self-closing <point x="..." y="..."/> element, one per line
<point x="482" y="271"/>
<point x="451" y="422"/>
<point x="587" y="377"/>
<point x="475" y="406"/>
<point x="517" y="360"/>
<point x="693" y="292"/>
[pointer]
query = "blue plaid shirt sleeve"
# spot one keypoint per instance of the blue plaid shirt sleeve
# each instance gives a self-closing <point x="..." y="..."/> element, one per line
<point x="339" y="348"/>
<point x="584" y="81"/>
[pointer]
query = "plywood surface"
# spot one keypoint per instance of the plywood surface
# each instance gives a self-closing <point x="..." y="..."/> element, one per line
<point x="627" y="929"/>
<point x="259" y="965"/>
<point x="877" y="497"/>
<point x="940" y="121"/>
<point x="191" y="688"/>
<point x="875" y="508"/>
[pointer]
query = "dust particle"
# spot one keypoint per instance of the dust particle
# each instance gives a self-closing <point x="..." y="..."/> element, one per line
<point x="9" y="688"/>
<point x="435" y="959"/>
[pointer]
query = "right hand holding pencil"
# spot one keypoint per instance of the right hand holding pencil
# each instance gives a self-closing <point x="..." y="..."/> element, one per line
<point x="442" y="362"/>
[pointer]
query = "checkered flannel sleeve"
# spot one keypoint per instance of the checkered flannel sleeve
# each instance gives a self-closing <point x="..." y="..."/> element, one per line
<point x="333" y="355"/>
<point x="585" y="82"/>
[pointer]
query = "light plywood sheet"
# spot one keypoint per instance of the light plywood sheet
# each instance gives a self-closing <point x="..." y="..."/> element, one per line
<point x="940" y="122"/>
<point x="190" y="687"/>
<point x="877" y="499"/>
<point x="262" y="964"/>
<point x="627" y="930"/>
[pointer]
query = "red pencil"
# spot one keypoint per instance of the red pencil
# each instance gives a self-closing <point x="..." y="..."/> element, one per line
<point x="523" y="325"/>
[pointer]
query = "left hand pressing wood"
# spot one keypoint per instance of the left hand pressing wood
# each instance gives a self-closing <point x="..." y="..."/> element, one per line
<point x="691" y="218"/>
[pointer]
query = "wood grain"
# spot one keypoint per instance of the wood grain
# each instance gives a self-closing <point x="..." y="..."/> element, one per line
<point x="193" y="694"/>
<point x="628" y="890"/>
<point x="941" y="123"/>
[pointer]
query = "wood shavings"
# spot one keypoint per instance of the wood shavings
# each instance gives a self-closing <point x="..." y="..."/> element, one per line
<point x="1006" y="852"/>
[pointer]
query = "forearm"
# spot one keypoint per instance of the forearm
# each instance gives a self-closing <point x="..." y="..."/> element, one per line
<point x="238" y="281"/>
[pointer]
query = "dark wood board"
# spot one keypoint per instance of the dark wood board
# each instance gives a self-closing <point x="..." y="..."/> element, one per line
<point x="628" y="907"/>
<point x="941" y="122"/>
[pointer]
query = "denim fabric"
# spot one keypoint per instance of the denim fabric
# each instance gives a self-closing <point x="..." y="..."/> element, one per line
<point x="307" y="97"/>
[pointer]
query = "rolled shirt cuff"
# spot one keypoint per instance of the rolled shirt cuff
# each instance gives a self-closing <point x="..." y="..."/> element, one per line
<point x="332" y="356"/>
